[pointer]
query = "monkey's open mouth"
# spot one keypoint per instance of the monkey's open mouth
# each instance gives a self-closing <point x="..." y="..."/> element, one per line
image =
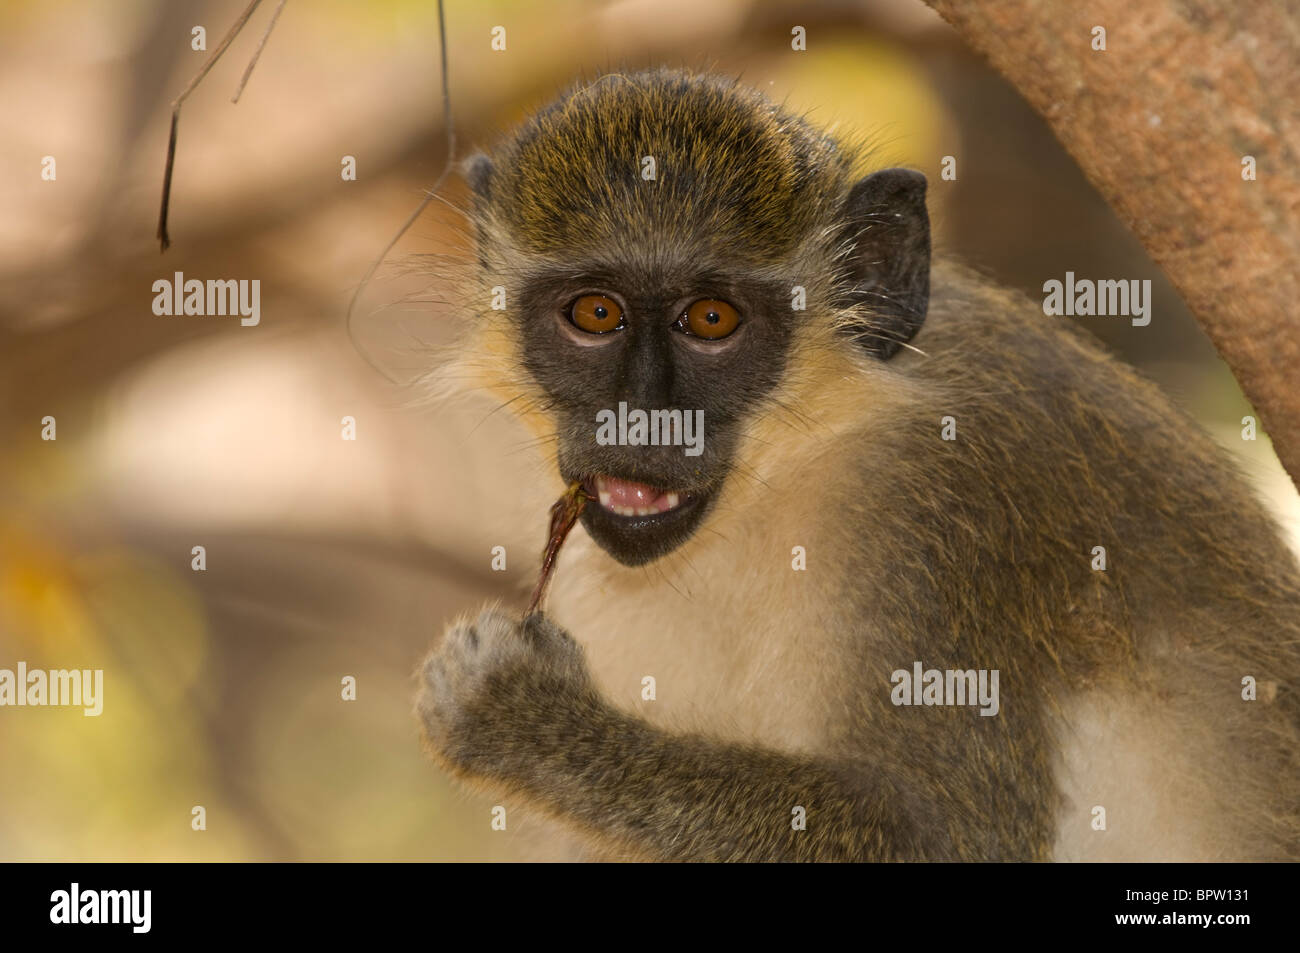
<point x="629" y="498"/>
<point x="636" y="522"/>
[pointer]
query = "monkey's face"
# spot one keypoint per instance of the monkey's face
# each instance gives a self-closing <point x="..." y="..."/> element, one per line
<point x="649" y="377"/>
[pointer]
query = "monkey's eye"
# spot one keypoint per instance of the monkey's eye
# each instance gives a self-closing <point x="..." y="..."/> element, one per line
<point x="596" y="314"/>
<point x="709" y="318"/>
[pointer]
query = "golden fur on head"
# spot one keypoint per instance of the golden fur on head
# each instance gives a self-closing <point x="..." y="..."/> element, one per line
<point x="733" y="174"/>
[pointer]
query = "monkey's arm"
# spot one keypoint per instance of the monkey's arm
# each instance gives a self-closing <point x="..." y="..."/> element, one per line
<point x="511" y="704"/>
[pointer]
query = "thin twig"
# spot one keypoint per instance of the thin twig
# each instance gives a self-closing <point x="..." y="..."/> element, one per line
<point x="564" y="515"/>
<point x="430" y="195"/>
<point x="163" y="237"/>
<point x="258" y="52"/>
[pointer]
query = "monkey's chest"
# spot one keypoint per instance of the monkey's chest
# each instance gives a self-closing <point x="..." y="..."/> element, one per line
<point x="751" y="666"/>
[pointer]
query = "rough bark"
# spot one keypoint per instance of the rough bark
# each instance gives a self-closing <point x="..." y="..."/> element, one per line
<point x="1160" y="122"/>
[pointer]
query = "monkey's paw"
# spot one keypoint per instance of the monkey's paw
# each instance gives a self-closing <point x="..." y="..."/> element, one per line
<point x="495" y="691"/>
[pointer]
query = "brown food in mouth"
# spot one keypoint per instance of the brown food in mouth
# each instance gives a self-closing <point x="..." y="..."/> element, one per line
<point x="564" y="513"/>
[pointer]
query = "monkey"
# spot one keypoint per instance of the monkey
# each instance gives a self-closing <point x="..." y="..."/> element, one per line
<point x="973" y="486"/>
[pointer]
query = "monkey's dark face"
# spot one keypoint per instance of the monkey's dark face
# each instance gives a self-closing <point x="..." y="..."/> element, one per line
<point x="649" y="378"/>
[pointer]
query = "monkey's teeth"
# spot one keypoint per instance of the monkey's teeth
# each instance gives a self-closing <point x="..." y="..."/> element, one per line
<point x="628" y="498"/>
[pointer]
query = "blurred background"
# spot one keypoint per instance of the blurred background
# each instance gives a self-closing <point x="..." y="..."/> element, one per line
<point x="327" y="557"/>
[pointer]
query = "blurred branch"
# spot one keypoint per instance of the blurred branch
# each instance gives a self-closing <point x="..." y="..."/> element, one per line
<point x="430" y="194"/>
<point x="261" y="44"/>
<point x="163" y="238"/>
<point x="1160" y="122"/>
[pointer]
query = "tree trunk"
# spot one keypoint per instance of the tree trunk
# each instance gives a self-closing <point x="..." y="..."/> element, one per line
<point x="1160" y="122"/>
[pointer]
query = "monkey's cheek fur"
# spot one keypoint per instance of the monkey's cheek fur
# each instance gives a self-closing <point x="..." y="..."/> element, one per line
<point x="481" y="675"/>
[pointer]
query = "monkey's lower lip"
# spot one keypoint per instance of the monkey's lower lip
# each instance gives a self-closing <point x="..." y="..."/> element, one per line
<point x="629" y="498"/>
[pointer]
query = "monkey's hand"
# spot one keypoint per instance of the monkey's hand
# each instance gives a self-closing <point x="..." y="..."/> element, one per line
<point x="509" y="702"/>
<point x="499" y="690"/>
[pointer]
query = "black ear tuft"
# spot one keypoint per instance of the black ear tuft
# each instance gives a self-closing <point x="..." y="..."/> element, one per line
<point x="889" y="269"/>
<point x="478" y="170"/>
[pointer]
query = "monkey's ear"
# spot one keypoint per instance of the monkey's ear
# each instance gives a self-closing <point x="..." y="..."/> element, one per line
<point x="477" y="170"/>
<point x="889" y="270"/>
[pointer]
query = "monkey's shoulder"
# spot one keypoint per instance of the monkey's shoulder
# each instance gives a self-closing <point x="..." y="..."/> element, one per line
<point x="1025" y="421"/>
<point x="992" y="352"/>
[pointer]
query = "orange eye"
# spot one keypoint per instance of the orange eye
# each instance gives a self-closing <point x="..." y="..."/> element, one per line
<point x="709" y="318"/>
<point x="596" y="314"/>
